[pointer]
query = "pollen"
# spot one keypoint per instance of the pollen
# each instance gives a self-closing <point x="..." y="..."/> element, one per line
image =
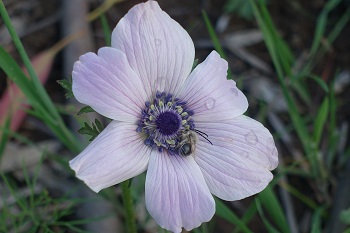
<point x="164" y="122"/>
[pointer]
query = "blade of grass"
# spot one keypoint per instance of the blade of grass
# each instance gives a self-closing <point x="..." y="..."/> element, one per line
<point x="337" y="28"/>
<point x="106" y="29"/>
<point x="320" y="121"/>
<point x="334" y="139"/>
<point x="13" y="98"/>
<point x="248" y="216"/>
<point x="270" y="38"/>
<point x="15" y="73"/>
<point x="4" y="136"/>
<point x="317" y="220"/>
<point x="32" y="87"/>
<point x="269" y="227"/>
<point x="35" y="80"/>
<point x="303" y="198"/>
<point x="19" y="201"/>
<point x="282" y="51"/>
<point x="320" y="82"/>
<point x="53" y="121"/>
<point x="215" y="40"/>
<point x="321" y="25"/>
<point x="224" y="212"/>
<point x="268" y="199"/>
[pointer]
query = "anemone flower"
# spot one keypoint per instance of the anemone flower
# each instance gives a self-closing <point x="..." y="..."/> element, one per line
<point x="187" y="129"/>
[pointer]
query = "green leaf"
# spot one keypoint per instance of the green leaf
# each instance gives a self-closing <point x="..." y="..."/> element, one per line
<point x="86" y="129"/>
<point x="67" y="86"/>
<point x="195" y="63"/>
<point x="93" y="130"/>
<point x="85" y="109"/>
<point x="99" y="125"/>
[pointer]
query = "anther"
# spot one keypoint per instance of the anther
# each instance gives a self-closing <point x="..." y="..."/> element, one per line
<point x="158" y="94"/>
<point x="147" y="142"/>
<point x="165" y="122"/>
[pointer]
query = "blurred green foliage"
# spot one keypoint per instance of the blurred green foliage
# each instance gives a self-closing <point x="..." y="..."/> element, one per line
<point x="242" y="8"/>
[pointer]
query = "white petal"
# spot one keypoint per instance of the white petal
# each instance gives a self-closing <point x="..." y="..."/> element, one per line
<point x="117" y="154"/>
<point x="176" y="193"/>
<point x="238" y="163"/>
<point x="209" y="94"/>
<point x="107" y="83"/>
<point x="158" y="48"/>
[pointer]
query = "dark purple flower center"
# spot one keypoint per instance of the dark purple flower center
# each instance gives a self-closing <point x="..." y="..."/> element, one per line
<point x="168" y="123"/>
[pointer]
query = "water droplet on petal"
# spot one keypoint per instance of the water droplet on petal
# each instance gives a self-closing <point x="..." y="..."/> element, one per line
<point x="245" y="154"/>
<point x="210" y="103"/>
<point x="230" y="140"/>
<point x="234" y="90"/>
<point x="158" y="42"/>
<point x="251" y="138"/>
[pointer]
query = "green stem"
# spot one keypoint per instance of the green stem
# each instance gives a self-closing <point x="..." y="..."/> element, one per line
<point x="15" y="38"/>
<point x="17" y="42"/>
<point x="128" y="207"/>
<point x="42" y="99"/>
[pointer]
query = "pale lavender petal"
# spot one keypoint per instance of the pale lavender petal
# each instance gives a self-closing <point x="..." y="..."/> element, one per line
<point x="209" y="94"/>
<point x="107" y="83"/>
<point x="117" y="154"/>
<point x="158" y="48"/>
<point x="238" y="163"/>
<point x="176" y="193"/>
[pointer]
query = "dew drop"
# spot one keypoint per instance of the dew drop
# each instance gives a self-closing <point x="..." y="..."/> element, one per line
<point x="229" y="140"/>
<point x="245" y="154"/>
<point x="251" y="138"/>
<point x="158" y="42"/>
<point x="210" y="103"/>
<point x="234" y="91"/>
